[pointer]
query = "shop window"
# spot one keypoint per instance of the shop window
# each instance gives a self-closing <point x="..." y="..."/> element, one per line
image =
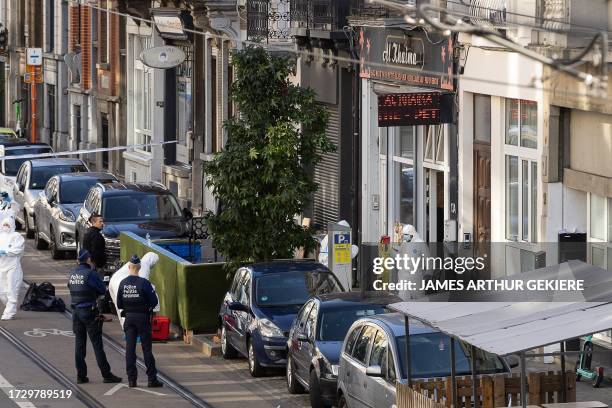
<point x="521" y="187"/>
<point x="522" y="123"/>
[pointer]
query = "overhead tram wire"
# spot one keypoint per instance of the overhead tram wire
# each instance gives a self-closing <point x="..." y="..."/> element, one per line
<point x="272" y="47"/>
<point x="587" y="29"/>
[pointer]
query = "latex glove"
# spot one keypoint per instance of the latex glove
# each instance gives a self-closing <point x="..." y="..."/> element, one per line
<point x="2" y="252"/>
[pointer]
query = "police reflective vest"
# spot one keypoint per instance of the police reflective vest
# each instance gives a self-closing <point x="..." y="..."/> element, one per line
<point x="83" y="289"/>
<point x="136" y="295"/>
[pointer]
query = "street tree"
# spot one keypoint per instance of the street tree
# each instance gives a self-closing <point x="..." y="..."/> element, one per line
<point x="263" y="177"/>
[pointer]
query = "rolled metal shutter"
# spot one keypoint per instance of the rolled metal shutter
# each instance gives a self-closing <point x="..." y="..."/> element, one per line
<point x="326" y="202"/>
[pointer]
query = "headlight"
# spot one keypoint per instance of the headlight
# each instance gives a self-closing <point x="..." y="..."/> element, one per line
<point x="269" y="329"/>
<point x="67" y="215"/>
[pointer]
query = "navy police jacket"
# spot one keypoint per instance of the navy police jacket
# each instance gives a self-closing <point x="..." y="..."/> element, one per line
<point x="136" y="295"/>
<point x="85" y="286"/>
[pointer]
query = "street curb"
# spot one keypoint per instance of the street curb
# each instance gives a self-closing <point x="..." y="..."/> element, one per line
<point x="205" y="343"/>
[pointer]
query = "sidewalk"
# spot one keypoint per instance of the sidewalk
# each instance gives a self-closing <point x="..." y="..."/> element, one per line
<point x="219" y="382"/>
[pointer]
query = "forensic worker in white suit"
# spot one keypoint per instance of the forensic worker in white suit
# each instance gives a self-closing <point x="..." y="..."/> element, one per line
<point x="147" y="263"/>
<point x="11" y="274"/>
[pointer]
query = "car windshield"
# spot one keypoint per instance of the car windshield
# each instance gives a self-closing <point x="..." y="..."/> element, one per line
<point x="140" y="206"/>
<point x="12" y="166"/>
<point x="40" y="175"/>
<point x="334" y="324"/>
<point x="75" y="191"/>
<point x="430" y="357"/>
<point x="293" y="287"/>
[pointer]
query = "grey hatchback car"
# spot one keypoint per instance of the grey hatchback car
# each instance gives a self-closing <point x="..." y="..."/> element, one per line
<point x="58" y="206"/>
<point x="373" y="360"/>
<point x="31" y="180"/>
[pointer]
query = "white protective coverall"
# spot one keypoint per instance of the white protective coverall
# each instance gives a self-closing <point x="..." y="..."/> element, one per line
<point x="11" y="274"/>
<point x="146" y="264"/>
<point x="6" y="207"/>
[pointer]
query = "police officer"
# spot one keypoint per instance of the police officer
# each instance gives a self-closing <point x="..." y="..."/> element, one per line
<point x="137" y="298"/>
<point x="85" y="286"/>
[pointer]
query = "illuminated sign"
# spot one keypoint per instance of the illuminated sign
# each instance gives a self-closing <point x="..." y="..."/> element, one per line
<point x="411" y="109"/>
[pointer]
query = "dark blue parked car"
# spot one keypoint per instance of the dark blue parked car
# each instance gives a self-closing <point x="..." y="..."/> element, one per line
<point x="257" y="312"/>
<point x="315" y="341"/>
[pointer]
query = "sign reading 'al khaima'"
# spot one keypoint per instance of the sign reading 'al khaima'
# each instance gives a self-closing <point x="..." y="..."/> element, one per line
<point x="413" y="109"/>
<point x="408" y="57"/>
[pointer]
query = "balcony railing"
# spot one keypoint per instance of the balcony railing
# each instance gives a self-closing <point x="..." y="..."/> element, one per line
<point x="490" y="13"/>
<point x="365" y="10"/>
<point x="269" y="20"/>
<point x="325" y="15"/>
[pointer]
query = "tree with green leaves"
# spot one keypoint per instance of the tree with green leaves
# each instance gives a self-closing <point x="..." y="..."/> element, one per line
<point x="262" y="178"/>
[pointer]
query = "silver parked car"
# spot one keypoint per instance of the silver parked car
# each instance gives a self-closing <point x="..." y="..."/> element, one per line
<point x="373" y="360"/>
<point x="9" y="167"/>
<point x="57" y="207"/>
<point x="31" y="180"/>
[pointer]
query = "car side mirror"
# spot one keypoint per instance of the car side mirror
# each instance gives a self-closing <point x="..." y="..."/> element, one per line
<point x="238" y="307"/>
<point x="512" y="360"/>
<point x="187" y="214"/>
<point x="374" y="371"/>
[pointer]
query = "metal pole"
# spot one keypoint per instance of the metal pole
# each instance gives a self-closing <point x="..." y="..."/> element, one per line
<point x="563" y="374"/>
<point x="33" y="106"/>
<point x="453" y="373"/>
<point x="473" y="363"/>
<point x="407" y="359"/>
<point x="523" y="381"/>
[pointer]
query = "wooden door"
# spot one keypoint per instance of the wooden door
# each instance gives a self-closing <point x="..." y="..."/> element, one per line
<point x="482" y="192"/>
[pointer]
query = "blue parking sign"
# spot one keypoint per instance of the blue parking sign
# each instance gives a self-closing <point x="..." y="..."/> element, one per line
<point x="342" y="238"/>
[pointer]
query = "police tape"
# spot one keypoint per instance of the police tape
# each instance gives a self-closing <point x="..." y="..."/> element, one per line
<point x="86" y="151"/>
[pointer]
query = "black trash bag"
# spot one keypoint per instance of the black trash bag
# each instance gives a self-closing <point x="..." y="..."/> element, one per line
<point x="41" y="298"/>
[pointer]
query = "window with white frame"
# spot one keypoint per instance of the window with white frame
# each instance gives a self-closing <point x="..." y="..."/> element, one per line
<point x="105" y="31"/>
<point x="600" y="231"/>
<point x="143" y="97"/>
<point x="521" y="171"/>
<point x="434" y="145"/>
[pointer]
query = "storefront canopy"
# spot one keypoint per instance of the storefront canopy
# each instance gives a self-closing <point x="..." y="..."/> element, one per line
<point x="506" y="327"/>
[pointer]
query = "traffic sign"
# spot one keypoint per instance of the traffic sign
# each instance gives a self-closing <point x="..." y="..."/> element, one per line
<point x="34" y="56"/>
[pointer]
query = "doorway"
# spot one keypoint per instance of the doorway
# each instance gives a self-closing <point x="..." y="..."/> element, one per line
<point x="434" y="205"/>
<point x="482" y="192"/>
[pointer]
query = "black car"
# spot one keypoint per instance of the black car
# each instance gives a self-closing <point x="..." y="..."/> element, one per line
<point x="140" y="208"/>
<point x="316" y="336"/>
<point x="264" y="299"/>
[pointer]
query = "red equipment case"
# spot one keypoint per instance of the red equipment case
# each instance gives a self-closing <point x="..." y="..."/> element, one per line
<point x="161" y="328"/>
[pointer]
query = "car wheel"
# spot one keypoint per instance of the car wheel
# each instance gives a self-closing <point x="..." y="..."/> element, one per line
<point x="227" y="350"/>
<point x="315" y="391"/>
<point x="29" y="232"/>
<point x="255" y="368"/>
<point x="293" y="385"/>
<point x="342" y="402"/>
<point x="39" y="243"/>
<point x="55" y="253"/>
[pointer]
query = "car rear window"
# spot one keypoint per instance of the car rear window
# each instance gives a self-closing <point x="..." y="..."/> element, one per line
<point x="334" y="324"/>
<point x="430" y="357"/>
<point x="12" y="166"/>
<point x="293" y="287"/>
<point x="75" y="191"/>
<point x="40" y="175"/>
<point x="140" y="206"/>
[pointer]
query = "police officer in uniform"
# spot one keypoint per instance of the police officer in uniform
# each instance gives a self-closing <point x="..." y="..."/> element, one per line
<point x="137" y="298"/>
<point x="85" y="286"/>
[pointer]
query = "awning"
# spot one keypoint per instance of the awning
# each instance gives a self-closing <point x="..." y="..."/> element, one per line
<point x="508" y="328"/>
